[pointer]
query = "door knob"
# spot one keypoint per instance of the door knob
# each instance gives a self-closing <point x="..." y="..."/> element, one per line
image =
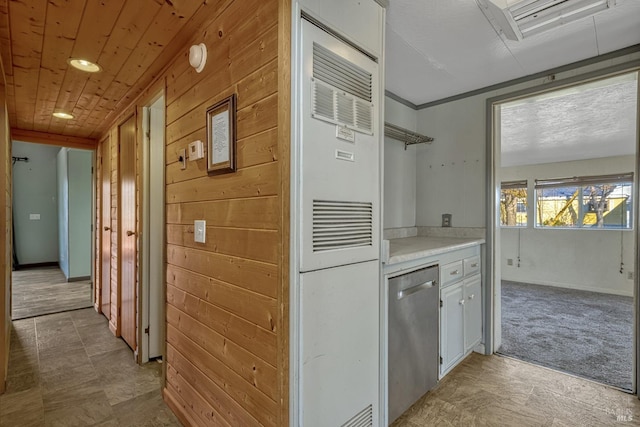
<point x="107" y="228"/>
<point x="130" y="233"/>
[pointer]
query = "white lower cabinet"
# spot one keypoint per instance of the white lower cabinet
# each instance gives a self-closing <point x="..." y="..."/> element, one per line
<point x="472" y="312"/>
<point x="460" y="312"/>
<point x="451" y="326"/>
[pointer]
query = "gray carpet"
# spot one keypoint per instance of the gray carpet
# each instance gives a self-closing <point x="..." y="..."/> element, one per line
<point x="587" y="334"/>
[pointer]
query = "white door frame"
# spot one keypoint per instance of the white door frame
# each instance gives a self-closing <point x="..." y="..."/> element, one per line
<point x="492" y="303"/>
<point x="152" y="242"/>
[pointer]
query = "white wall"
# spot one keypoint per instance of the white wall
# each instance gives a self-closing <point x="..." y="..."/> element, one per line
<point x="34" y="192"/>
<point x="80" y="199"/>
<point x="399" y="169"/>
<point x="565" y="257"/>
<point x="451" y="172"/>
<point x="74" y="212"/>
<point x="63" y="211"/>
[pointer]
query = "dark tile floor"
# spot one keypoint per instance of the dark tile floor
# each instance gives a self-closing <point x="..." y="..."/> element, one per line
<point x="67" y="369"/>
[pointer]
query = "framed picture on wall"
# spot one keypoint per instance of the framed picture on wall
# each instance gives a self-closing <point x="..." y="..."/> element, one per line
<point x="221" y="136"/>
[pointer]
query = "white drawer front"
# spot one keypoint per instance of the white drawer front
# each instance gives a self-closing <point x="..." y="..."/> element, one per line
<point x="471" y="265"/>
<point x="451" y="273"/>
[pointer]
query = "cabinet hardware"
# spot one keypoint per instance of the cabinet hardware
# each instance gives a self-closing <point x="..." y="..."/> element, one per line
<point x="475" y="264"/>
<point x="107" y="228"/>
<point x="130" y="233"/>
<point x="461" y="302"/>
<point x="471" y="296"/>
<point x="454" y="272"/>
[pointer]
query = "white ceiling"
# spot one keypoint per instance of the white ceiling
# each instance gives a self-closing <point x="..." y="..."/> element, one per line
<point x="440" y="48"/>
<point x="590" y="121"/>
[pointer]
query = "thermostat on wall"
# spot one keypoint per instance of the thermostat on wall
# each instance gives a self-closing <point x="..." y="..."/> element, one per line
<point x="196" y="150"/>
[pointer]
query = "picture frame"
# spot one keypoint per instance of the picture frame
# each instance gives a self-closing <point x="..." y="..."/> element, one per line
<point x="221" y="136"/>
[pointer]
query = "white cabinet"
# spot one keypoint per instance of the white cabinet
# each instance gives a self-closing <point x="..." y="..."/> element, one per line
<point x="472" y="312"/>
<point x="451" y="326"/>
<point x="460" y="311"/>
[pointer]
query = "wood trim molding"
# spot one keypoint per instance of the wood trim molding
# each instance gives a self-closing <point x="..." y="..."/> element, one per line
<point x="53" y="139"/>
<point x="284" y="155"/>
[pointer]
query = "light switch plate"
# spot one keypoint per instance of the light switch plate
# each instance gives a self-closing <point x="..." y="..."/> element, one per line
<point x="182" y="158"/>
<point x="199" y="231"/>
<point x="35" y="217"/>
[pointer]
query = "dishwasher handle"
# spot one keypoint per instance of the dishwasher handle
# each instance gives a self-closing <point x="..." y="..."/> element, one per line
<point x="412" y="290"/>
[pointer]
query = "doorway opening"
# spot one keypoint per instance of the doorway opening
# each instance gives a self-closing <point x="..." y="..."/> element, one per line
<point x="52" y="229"/>
<point x="565" y="170"/>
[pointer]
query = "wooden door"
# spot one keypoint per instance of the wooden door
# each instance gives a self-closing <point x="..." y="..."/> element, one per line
<point x="127" y="230"/>
<point x="105" y="222"/>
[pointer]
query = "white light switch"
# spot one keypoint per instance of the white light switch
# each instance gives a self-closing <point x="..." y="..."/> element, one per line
<point x="35" y="217"/>
<point x="199" y="231"/>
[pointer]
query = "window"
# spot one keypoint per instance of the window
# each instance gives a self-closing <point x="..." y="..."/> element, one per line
<point x="585" y="202"/>
<point x="513" y="204"/>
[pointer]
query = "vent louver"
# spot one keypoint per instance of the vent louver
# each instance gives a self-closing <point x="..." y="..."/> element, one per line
<point x="363" y="418"/>
<point x="341" y="91"/>
<point x="340" y="225"/>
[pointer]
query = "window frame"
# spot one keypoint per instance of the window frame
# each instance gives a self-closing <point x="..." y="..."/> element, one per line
<point x="582" y="182"/>
<point x="516" y="184"/>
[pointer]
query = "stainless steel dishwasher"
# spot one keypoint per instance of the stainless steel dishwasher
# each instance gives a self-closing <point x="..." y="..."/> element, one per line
<point x="414" y="300"/>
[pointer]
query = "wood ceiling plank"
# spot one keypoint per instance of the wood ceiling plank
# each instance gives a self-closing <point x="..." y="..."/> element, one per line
<point x="132" y="23"/>
<point x="173" y="54"/>
<point x="169" y="21"/>
<point x="27" y="33"/>
<point x="61" y="28"/>
<point x="95" y="30"/>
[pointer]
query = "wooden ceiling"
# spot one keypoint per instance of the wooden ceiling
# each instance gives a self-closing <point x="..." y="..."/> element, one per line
<point x="132" y="40"/>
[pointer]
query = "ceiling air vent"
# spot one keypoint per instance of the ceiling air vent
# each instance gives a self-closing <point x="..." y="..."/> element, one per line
<point x="519" y="19"/>
<point x="341" y="91"/>
<point x="363" y="418"/>
<point x="340" y="225"/>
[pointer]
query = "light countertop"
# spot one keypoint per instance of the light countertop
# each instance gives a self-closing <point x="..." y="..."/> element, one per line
<point x="411" y="248"/>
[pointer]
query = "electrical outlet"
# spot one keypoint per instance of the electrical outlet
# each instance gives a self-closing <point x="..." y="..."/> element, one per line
<point x="446" y="220"/>
<point x="630" y="275"/>
<point x="509" y="261"/>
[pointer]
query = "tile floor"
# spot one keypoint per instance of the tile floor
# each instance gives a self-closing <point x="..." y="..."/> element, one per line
<point x="67" y="369"/>
<point x="499" y="391"/>
<point x="44" y="290"/>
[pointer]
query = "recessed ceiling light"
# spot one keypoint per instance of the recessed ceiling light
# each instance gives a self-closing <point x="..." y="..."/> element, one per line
<point x="84" y="65"/>
<point x="62" y="115"/>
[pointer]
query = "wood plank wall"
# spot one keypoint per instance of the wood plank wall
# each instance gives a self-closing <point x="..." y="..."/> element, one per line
<point x="5" y="235"/>
<point x="227" y="299"/>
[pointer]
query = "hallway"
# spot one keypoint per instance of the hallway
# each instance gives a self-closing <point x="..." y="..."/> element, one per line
<point x="67" y="369"/>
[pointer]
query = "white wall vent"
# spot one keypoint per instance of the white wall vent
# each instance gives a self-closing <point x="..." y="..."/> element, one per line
<point x="341" y="91"/>
<point x="340" y="225"/>
<point x="363" y="418"/>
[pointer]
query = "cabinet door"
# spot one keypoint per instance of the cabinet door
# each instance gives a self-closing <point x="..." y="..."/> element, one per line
<point x="451" y="324"/>
<point x="472" y="312"/>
